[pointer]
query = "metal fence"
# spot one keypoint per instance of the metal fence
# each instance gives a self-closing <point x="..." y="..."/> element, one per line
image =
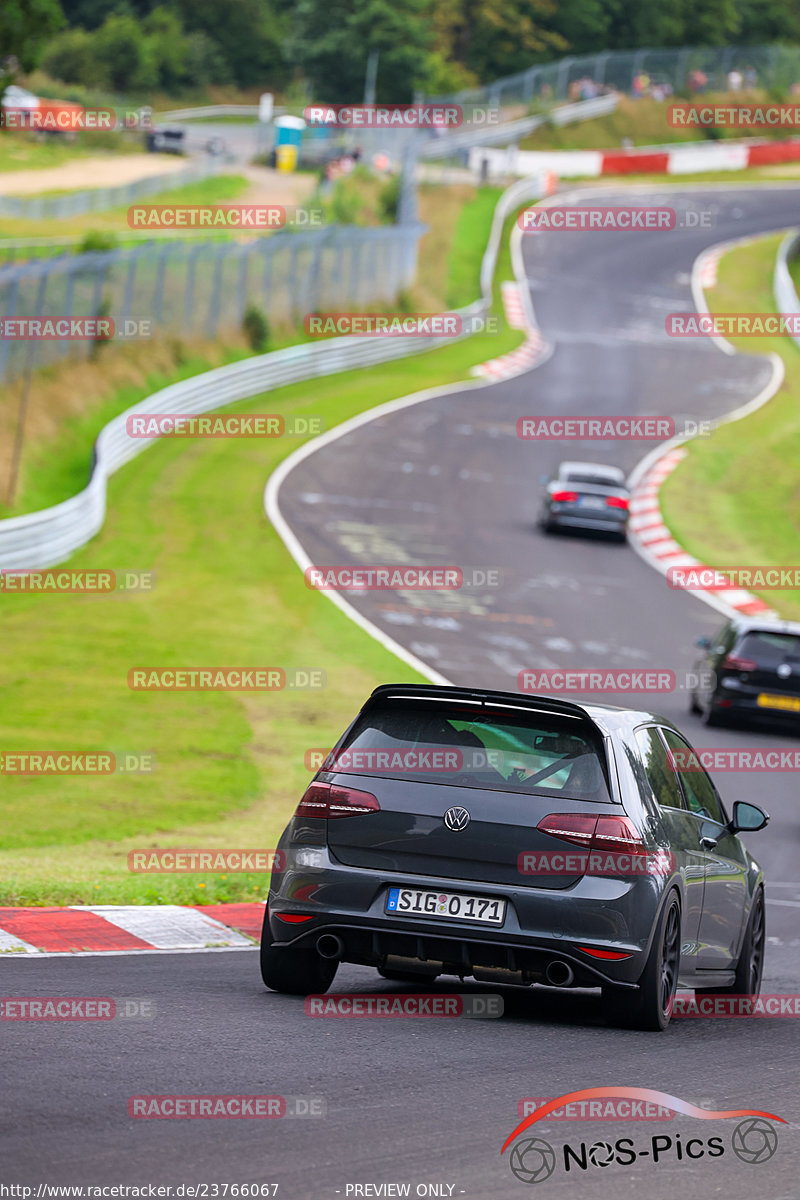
<point x="774" y="67"/>
<point x="75" y="204"/>
<point x="201" y="289"/>
<point x="42" y="539"/>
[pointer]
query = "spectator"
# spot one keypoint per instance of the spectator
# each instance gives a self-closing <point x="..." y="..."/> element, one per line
<point x="750" y="78"/>
<point x="734" y="80"/>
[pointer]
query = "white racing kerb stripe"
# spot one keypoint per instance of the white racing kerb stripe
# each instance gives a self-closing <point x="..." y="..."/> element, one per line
<point x="169" y="926"/>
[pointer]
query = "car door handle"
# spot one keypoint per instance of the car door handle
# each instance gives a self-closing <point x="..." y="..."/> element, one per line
<point x="708" y="843"/>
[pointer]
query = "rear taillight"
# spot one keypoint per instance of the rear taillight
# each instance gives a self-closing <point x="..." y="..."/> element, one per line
<point x="572" y="827"/>
<point x="617" y="502"/>
<point x="564" y="497"/>
<point x="734" y="663"/>
<point x="332" y="800"/>
<point x="595" y="831"/>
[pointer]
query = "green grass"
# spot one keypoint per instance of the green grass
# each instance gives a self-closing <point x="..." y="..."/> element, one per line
<point x="230" y="767"/>
<point x="734" y="499"/>
<point x="469" y="242"/>
<point x="22" y="152"/>
<point x="216" y="189"/>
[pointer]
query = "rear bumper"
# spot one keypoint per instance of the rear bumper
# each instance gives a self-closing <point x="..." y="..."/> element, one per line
<point x="743" y="699"/>
<point x="541" y="925"/>
<point x="575" y="520"/>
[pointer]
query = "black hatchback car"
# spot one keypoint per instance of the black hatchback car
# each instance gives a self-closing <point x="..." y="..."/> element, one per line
<point x="750" y="668"/>
<point x="521" y="840"/>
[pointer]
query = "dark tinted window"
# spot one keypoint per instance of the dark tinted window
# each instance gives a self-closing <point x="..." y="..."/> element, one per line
<point x="701" y="795"/>
<point x="541" y="753"/>
<point x="585" y="477"/>
<point x="660" y="774"/>
<point x="769" y="648"/>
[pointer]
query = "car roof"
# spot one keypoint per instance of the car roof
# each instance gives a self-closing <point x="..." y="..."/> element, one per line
<point x="746" y="624"/>
<point x="608" y="718"/>
<point x="595" y="468"/>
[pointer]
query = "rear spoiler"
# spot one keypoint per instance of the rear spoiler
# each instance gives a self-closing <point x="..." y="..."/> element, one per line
<point x="480" y="698"/>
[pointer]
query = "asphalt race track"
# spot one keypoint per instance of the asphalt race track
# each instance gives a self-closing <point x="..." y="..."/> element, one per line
<point x="424" y="1102"/>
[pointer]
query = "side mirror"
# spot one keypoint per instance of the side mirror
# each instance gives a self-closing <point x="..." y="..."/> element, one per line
<point x="703" y="643"/>
<point x="747" y="818"/>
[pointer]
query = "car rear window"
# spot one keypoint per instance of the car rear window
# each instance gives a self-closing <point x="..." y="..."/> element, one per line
<point x="541" y="753"/>
<point x="584" y="477"/>
<point x="767" y="647"/>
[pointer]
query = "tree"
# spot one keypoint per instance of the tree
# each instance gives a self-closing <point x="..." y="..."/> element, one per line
<point x="25" y="28"/>
<point x="331" y="40"/>
<point x="248" y="33"/>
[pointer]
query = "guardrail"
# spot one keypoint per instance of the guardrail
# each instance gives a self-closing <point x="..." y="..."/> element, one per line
<point x="45" y="538"/>
<point x="784" y="291"/>
<point x="73" y="204"/>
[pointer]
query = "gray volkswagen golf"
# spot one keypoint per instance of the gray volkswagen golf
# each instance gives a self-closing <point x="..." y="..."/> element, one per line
<point x="517" y="840"/>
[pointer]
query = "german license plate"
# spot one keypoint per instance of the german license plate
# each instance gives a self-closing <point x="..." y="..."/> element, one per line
<point x="591" y="502"/>
<point x="419" y="902"/>
<point x="787" y="703"/>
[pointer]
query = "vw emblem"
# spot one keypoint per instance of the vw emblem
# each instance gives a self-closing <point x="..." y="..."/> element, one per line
<point x="456" y="819"/>
<point x="784" y="670"/>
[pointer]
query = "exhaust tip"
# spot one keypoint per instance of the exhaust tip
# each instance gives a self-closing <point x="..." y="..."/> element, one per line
<point x="330" y="945"/>
<point x="559" y="974"/>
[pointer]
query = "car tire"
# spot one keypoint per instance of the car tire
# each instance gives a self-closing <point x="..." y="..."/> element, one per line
<point x="710" y="716"/>
<point x="694" y="707"/>
<point x="750" y="964"/>
<point x="294" y="972"/>
<point x="651" y="1007"/>
<point x="406" y="976"/>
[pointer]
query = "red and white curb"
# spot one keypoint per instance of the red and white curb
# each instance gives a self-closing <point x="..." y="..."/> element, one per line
<point x="128" y="929"/>
<point x="684" y="158"/>
<point x="532" y="351"/>
<point x="653" y="540"/>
